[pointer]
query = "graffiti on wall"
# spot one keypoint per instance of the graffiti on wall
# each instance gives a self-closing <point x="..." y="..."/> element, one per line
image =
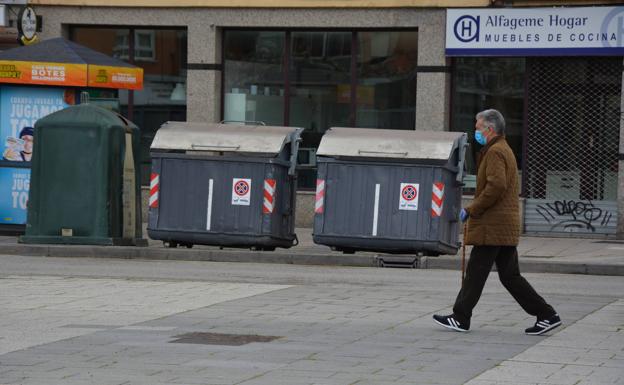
<point x="571" y="215"/>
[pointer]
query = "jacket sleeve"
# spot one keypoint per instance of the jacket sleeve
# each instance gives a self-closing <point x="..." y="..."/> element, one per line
<point x="495" y="184"/>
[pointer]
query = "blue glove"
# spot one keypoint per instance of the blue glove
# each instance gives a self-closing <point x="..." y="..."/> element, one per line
<point x="463" y="215"/>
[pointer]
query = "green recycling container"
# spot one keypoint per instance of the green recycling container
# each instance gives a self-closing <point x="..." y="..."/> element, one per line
<point x="85" y="185"/>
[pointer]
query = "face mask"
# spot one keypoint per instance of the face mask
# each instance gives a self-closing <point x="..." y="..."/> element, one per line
<point x="482" y="140"/>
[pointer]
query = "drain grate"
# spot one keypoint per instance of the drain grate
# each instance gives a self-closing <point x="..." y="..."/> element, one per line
<point x="220" y="339"/>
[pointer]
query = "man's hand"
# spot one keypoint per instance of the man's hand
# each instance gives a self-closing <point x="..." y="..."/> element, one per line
<point x="463" y="215"/>
<point x="11" y="154"/>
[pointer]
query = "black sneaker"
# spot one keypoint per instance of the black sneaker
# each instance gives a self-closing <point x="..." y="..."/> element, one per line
<point x="449" y="321"/>
<point x="542" y="326"/>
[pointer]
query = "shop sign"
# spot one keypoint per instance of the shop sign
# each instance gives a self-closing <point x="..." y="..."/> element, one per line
<point x="54" y="74"/>
<point x="569" y="31"/>
<point x="27" y="25"/>
<point x="115" y="77"/>
<point x="70" y="74"/>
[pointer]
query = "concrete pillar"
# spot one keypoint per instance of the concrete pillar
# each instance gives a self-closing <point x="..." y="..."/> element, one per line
<point x="204" y="73"/>
<point x="433" y="81"/>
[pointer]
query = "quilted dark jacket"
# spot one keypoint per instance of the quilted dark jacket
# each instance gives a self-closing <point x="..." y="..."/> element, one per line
<point x="494" y="214"/>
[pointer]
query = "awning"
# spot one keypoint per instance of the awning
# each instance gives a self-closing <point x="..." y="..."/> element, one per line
<point x="60" y="62"/>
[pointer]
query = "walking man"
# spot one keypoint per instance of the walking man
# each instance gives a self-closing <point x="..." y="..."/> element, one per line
<point x="493" y="230"/>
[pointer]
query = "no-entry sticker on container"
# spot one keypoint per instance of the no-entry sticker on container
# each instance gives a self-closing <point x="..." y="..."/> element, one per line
<point x="241" y="191"/>
<point x="409" y="196"/>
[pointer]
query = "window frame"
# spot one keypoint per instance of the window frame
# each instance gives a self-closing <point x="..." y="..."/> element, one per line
<point x="124" y="47"/>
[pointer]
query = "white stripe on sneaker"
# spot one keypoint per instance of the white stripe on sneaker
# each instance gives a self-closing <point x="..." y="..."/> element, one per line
<point x="545" y="329"/>
<point x="450" y="323"/>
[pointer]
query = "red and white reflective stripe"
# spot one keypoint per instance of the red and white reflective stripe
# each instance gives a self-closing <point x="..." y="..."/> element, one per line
<point x="437" y="199"/>
<point x="269" y="196"/>
<point x="319" y="204"/>
<point x="154" y="187"/>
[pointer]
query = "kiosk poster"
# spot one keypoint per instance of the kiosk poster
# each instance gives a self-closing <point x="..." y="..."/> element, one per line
<point x="14" y="186"/>
<point x="20" y="108"/>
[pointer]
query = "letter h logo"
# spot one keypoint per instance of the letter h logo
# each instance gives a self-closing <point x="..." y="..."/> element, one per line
<point x="466" y="28"/>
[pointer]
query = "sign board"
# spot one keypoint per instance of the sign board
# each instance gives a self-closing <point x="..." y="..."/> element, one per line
<point x="70" y="74"/>
<point x="408" y="199"/>
<point x="241" y="191"/>
<point x="561" y="31"/>
<point x="27" y="25"/>
<point x="115" y="77"/>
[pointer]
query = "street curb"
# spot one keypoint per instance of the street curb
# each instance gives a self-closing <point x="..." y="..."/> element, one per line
<point x="527" y="265"/>
<point x="180" y="254"/>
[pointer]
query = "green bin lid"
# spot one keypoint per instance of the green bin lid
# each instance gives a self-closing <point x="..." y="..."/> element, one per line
<point x="84" y="115"/>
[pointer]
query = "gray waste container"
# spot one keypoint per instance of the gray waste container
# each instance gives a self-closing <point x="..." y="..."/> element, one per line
<point x="223" y="184"/>
<point x="390" y="191"/>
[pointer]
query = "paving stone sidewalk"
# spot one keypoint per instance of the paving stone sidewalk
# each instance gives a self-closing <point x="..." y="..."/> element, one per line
<point x="588" y="352"/>
<point x="372" y="327"/>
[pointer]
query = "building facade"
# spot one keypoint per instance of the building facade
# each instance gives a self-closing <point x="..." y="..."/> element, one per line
<point x="318" y="65"/>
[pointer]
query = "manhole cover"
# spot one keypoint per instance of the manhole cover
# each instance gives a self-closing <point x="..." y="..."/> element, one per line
<point x="221" y="339"/>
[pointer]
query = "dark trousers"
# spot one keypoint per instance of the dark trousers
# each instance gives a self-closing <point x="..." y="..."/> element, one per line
<point x="506" y="258"/>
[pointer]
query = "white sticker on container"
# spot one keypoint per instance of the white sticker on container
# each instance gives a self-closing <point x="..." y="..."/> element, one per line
<point x="409" y="196"/>
<point x="241" y="191"/>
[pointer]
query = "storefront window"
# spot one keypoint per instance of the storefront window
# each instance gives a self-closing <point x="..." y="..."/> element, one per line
<point x="386" y="92"/>
<point x="162" y="54"/>
<point x="254" y="77"/>
<point x="320" y="81"/>
<point x="480" y="83"/>
<point x="320" y="90"/>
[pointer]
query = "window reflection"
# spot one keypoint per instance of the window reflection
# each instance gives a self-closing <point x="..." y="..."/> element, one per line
<point x="320" y="97"/>
<point x="254" y="79"/>
<point x="162" y="54"/>
<point x="482" y="83"/>
<point x="321" y="82"/>
<point x="386" y="92"/>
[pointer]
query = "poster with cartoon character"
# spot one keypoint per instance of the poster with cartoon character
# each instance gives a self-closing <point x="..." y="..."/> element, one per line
<point x="20" y="108"/>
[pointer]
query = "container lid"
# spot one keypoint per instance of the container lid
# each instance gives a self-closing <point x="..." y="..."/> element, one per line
<point x="379" y="143"/>
<point x="190" y="136"/>
<point x="84" y="115"/>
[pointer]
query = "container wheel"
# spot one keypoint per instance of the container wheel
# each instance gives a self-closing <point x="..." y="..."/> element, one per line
<point x="170" y="244"/>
